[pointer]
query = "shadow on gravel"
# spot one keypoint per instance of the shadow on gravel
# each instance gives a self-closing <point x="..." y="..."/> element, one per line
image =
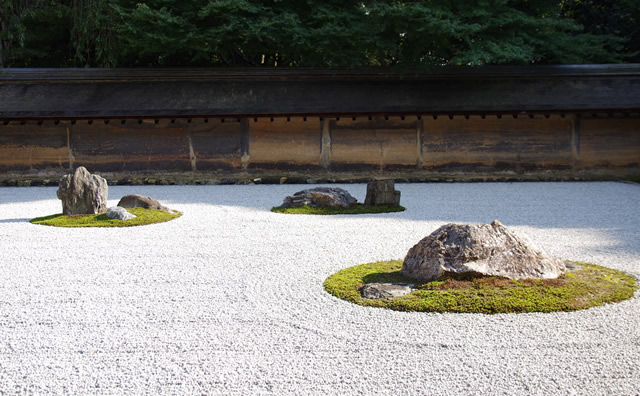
<point x="25" y="220"/>
<point x="607" y="207"/>
<point x="9" y="195"/>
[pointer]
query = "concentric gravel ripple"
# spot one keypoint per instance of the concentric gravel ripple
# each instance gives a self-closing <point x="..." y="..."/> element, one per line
<point x="228" y="299"/>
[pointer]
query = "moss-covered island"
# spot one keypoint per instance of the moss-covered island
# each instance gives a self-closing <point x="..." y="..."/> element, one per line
<point x="584" y="286"/>
<point x="338" y="210"/>
<point x="143" y="217"/>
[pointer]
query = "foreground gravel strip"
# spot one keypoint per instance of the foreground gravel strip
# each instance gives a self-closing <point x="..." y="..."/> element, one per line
<point x="228" y="299"/>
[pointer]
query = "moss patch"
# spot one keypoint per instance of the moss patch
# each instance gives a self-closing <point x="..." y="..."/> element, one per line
<point x="587" y="286"/>
<point x="143" y="217"/>
<point x="334" y="210"/>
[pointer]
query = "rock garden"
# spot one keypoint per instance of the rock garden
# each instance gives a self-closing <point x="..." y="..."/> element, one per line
<point x="485" y="268"/>
<point x="229" y="298"/>
<point x="381" y="197"/>
<point x="84" y="204"/>
<point x="467" y="268"/>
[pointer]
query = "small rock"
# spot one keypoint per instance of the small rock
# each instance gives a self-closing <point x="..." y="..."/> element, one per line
<point x="320" y="196"/>
<point x="572" y="266"/>
<point x="386" y="290"/>
<point x="119" y="213"/>
<point x="382" y="192"/>
<point x="140" y="201"/>
<point x="82" y="193"/>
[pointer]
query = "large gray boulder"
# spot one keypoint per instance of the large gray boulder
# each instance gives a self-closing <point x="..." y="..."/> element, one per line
<point x="141" y="201"/>
<point x="486" y="249"/>
<point x="320" y="196"/>
<point x="82" y="193"/>
<point x="382" y="192"/>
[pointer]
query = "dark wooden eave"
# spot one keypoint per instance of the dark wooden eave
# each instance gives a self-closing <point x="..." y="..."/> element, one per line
<point x="155" y="93"/>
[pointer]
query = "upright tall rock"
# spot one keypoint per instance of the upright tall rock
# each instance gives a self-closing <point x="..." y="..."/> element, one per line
<point x="485" y="249"/>
<point x="382" y="192"/>
<point x="83" y="193"/>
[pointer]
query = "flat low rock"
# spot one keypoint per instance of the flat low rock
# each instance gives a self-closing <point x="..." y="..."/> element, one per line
<point x="320" y="196"/>
<point x="385" y="290"/>
<point x="119" y="213"/>
<point x="485" y="249"/>
<point x="141" y="201"/>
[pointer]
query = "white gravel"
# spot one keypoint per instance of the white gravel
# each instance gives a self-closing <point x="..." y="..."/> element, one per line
<point x="228" y="299"/>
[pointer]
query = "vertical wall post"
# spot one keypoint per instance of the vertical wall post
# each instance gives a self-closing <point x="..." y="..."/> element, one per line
<point x="192" y="152"/>
<point x="325" y="151"/>
<point x="419" y="141"/>
<point x="575" y="140"/>
<point x="245" y="155"/>
<point x="70" y="149"/>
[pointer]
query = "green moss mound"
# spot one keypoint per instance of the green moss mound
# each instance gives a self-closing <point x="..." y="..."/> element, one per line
<point x="335" y="210"/>
<point x="143" y="217"/>
<point x="587" y="286"/>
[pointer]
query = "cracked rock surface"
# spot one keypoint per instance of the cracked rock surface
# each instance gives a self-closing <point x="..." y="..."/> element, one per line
<point x="485" y="249"/>
<point x="82" y="193"/>
<point x="320" y="196"/>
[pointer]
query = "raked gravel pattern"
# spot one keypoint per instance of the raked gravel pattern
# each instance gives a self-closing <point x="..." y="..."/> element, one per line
<point x="228" y="299"/>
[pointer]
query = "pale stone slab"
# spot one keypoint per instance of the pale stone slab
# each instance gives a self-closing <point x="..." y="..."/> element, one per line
<point x="119" y="213"/>
<point x="385" y="290"/>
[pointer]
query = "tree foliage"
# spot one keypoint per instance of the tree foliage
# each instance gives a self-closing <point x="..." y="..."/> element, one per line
<point x="618" y="18"/>
<point x="92" y="35"/>
<point x="12" y="26"/>
<point x="308" y="33"/>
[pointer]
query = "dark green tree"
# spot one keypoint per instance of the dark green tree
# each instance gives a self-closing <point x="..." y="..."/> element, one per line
<point x="46" y="39"/>
<point x="92" y="33"/>
<point x="479" y="32"/>
<point x="12" y="27"/>
<point x="66" y="33"/>
<point x="307" y="33"/>
<point x="619" y="18"/>
<point x="241" y="33"/>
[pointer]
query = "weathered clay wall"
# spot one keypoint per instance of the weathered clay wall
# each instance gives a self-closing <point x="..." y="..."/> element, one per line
<point x="493" y="144"/>
<point x="324" y="148"/>
<point x="605" y="143"/>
